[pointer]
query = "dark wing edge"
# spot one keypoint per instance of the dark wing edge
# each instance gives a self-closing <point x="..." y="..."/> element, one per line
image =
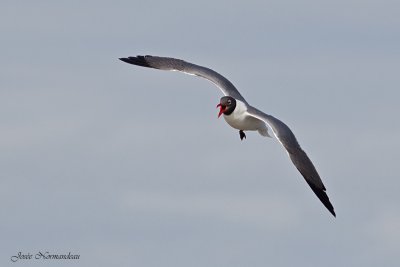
<point x="297" y="155"/>
<point x="162" y="63"/>
<point x="307" y="170"/>
<point x="139" y="61"/>
<point x="173" y="64"/>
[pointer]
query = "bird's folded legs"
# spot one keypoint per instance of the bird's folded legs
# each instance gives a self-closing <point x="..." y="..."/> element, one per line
<point x="242" y="135"/>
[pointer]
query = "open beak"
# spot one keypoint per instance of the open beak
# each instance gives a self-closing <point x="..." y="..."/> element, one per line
<point x="221" y="110"/>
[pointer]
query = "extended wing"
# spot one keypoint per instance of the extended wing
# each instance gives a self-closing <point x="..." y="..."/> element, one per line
<point x="173" y="64"/>
<point x="299" y="158"/>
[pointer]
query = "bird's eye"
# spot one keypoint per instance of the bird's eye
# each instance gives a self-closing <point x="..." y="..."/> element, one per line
<point x="229" y="102"/>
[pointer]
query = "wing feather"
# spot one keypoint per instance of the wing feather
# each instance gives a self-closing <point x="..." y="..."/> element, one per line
<point x="299" y="158"/>
<point x="173" y="64"/>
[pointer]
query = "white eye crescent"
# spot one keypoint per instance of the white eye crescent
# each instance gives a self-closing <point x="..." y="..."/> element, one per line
<point x="229" y="102"/>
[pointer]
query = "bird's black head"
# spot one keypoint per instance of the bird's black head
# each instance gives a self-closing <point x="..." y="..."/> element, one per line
<point x="227" y="105"/>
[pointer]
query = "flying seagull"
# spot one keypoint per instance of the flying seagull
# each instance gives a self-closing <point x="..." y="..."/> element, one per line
<point x="244" y="117"/>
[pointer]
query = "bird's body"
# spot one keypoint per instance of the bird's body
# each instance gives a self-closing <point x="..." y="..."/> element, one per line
<point x="241" y="120"/>
<point x="244" y="117"/>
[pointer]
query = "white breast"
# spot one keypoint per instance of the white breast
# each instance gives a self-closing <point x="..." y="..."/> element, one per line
<point x="239" y="119"/>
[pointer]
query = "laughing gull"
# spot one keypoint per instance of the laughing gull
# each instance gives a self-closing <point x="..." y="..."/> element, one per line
<point x="243" y="117"/>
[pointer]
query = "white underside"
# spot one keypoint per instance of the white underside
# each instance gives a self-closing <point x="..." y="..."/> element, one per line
<point x="241" y="120"/>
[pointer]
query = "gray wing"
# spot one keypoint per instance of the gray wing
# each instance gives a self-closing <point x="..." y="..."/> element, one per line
<point x="173" y="64"/>
<point x="299" y="158"/>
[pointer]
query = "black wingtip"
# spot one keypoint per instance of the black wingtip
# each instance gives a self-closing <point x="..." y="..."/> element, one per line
<point x="321" y="194"/>
<point x="138" y="60"/>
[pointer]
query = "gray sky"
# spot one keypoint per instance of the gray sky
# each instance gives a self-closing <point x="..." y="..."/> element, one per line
<point x="131" y="167"/>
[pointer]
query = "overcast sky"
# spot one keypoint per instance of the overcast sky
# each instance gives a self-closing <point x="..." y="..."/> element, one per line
<point x="128" y="166"/>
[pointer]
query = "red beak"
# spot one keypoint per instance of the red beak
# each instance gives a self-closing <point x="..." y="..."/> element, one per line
<point x="222" y="109"/>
